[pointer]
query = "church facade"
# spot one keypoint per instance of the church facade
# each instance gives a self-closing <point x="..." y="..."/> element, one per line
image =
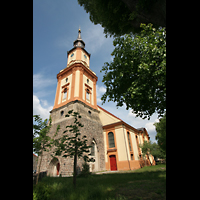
<point x="115" y="144"/>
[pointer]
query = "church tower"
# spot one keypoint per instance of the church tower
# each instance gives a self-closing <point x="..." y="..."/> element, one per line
<point x="77" y="81"/>
<point x="76" y="90"/>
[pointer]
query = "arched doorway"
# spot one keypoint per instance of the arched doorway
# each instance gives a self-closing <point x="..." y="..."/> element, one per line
<point x="54" y="167"/>
<point x="58" y="168"/>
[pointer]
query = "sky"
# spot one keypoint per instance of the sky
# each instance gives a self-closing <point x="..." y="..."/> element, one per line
<point x="55" y="27"/>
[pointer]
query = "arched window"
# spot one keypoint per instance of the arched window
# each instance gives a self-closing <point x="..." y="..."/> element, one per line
<point x="88" y="94"/>
<point x="93" y="149"/>
<point x="65" y="94"/>
<point x="129" y="140"/>
<point x="111" y="140"/>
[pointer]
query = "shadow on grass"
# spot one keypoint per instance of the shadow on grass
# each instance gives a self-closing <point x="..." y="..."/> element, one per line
<point x="118" y="186"/>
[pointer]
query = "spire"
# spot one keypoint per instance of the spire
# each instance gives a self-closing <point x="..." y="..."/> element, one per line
<point x="79" y="33"/>
<point x="79" y="42"/>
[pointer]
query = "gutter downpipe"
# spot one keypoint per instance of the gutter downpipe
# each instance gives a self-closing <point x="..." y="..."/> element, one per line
<point x="126" y="148"/>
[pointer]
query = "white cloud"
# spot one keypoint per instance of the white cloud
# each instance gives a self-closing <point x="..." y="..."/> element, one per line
<point x="100" y="91"/>
<point x="38" y="109"/>
<point x="44" y="102"/>
<point x="131" y="114"/>
<point x="43" y="86"/>
<point x="39" y="81"/>
<point x="149" y="126"/>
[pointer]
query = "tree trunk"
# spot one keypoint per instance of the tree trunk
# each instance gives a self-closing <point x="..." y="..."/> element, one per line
<point x="39" y="168"/>
<point x="75" y="164"/>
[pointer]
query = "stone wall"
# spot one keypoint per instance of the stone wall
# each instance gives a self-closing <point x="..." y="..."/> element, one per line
<point x="92" y="129"/>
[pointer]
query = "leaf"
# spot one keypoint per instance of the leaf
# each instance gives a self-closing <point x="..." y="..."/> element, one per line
<point x="70" y="111"/>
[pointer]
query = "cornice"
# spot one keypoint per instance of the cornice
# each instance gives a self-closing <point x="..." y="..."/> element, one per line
<point x="77" y="65"/>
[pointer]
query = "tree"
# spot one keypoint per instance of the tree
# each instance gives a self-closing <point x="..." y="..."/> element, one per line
<point x="157" y="152"/>
<point x="119" y="17"/>
<point x="41" y="142"/>
<point x="71" y="144"/>
<point x="149" y="148"/>
<point x="161" y="133"/>
<point x="146" y="149"/>
<point x="137" y="74"/>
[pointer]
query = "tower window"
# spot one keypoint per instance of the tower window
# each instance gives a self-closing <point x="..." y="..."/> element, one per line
<point x="66" y="79"/>
<point x="88" y="94"/>
<point x="111" y="140"/>
<point x="87" y="80"/>
<point x="61" y="113"/>
<point x="65" y="94"/>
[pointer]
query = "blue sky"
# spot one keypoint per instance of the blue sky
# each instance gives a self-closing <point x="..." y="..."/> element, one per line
<point x="55" y="27"/>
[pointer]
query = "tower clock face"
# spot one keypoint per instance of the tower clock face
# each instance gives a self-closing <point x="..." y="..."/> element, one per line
<point x="72" y="54"/>
<point x="85" y="56"/>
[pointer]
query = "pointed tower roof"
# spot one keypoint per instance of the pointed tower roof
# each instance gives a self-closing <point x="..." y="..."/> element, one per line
<point x="79" y="42"/>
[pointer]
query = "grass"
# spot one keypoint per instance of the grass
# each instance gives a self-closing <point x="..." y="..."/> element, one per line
<point x="147" y="183"/>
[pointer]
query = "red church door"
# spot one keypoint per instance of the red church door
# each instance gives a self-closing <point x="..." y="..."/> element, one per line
<point x="113" y="164"/>
<point x="58" y="168"/>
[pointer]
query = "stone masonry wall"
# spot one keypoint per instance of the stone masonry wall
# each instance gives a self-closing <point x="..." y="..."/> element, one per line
<point x="92" y="129"/>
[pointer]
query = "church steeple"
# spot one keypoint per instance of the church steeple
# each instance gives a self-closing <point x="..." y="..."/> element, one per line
<point x="78" y="52"/>
<point x="79" y="42"/>
<point x="77" y="81"/>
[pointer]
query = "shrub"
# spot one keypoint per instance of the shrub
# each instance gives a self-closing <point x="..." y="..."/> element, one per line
<point x="41" y="191"/>
<point x="85" y="169"/>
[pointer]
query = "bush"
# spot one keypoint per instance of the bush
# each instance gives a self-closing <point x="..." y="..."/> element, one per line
<point x="85" y="170"/>
<point x="41" y="191"/>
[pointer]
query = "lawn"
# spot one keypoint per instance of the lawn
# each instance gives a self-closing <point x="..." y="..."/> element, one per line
<point x="143" y="184"/>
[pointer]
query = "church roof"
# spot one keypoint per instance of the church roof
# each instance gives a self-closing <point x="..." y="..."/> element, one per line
<point x="120" y="122"/>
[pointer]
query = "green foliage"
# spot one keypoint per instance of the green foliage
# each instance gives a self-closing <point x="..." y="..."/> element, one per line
<point x="85" y="172"/>
<point x="161" y="133"/>
<point x="157" y="152"/>
<point x="119" y="17"/>
<point x="41" y="141"/>
<point x="137" y="74"/>
<point x="71" y="145"/>
<point x="146" y="147"/>
<point x="145" y="183"/>
<point x="149" y="148"/>
<point x="113" y="15"/>
<point x="41" y="192"/>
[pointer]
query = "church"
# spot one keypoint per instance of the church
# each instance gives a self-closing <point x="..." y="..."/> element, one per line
<point x="115" y="144"/>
